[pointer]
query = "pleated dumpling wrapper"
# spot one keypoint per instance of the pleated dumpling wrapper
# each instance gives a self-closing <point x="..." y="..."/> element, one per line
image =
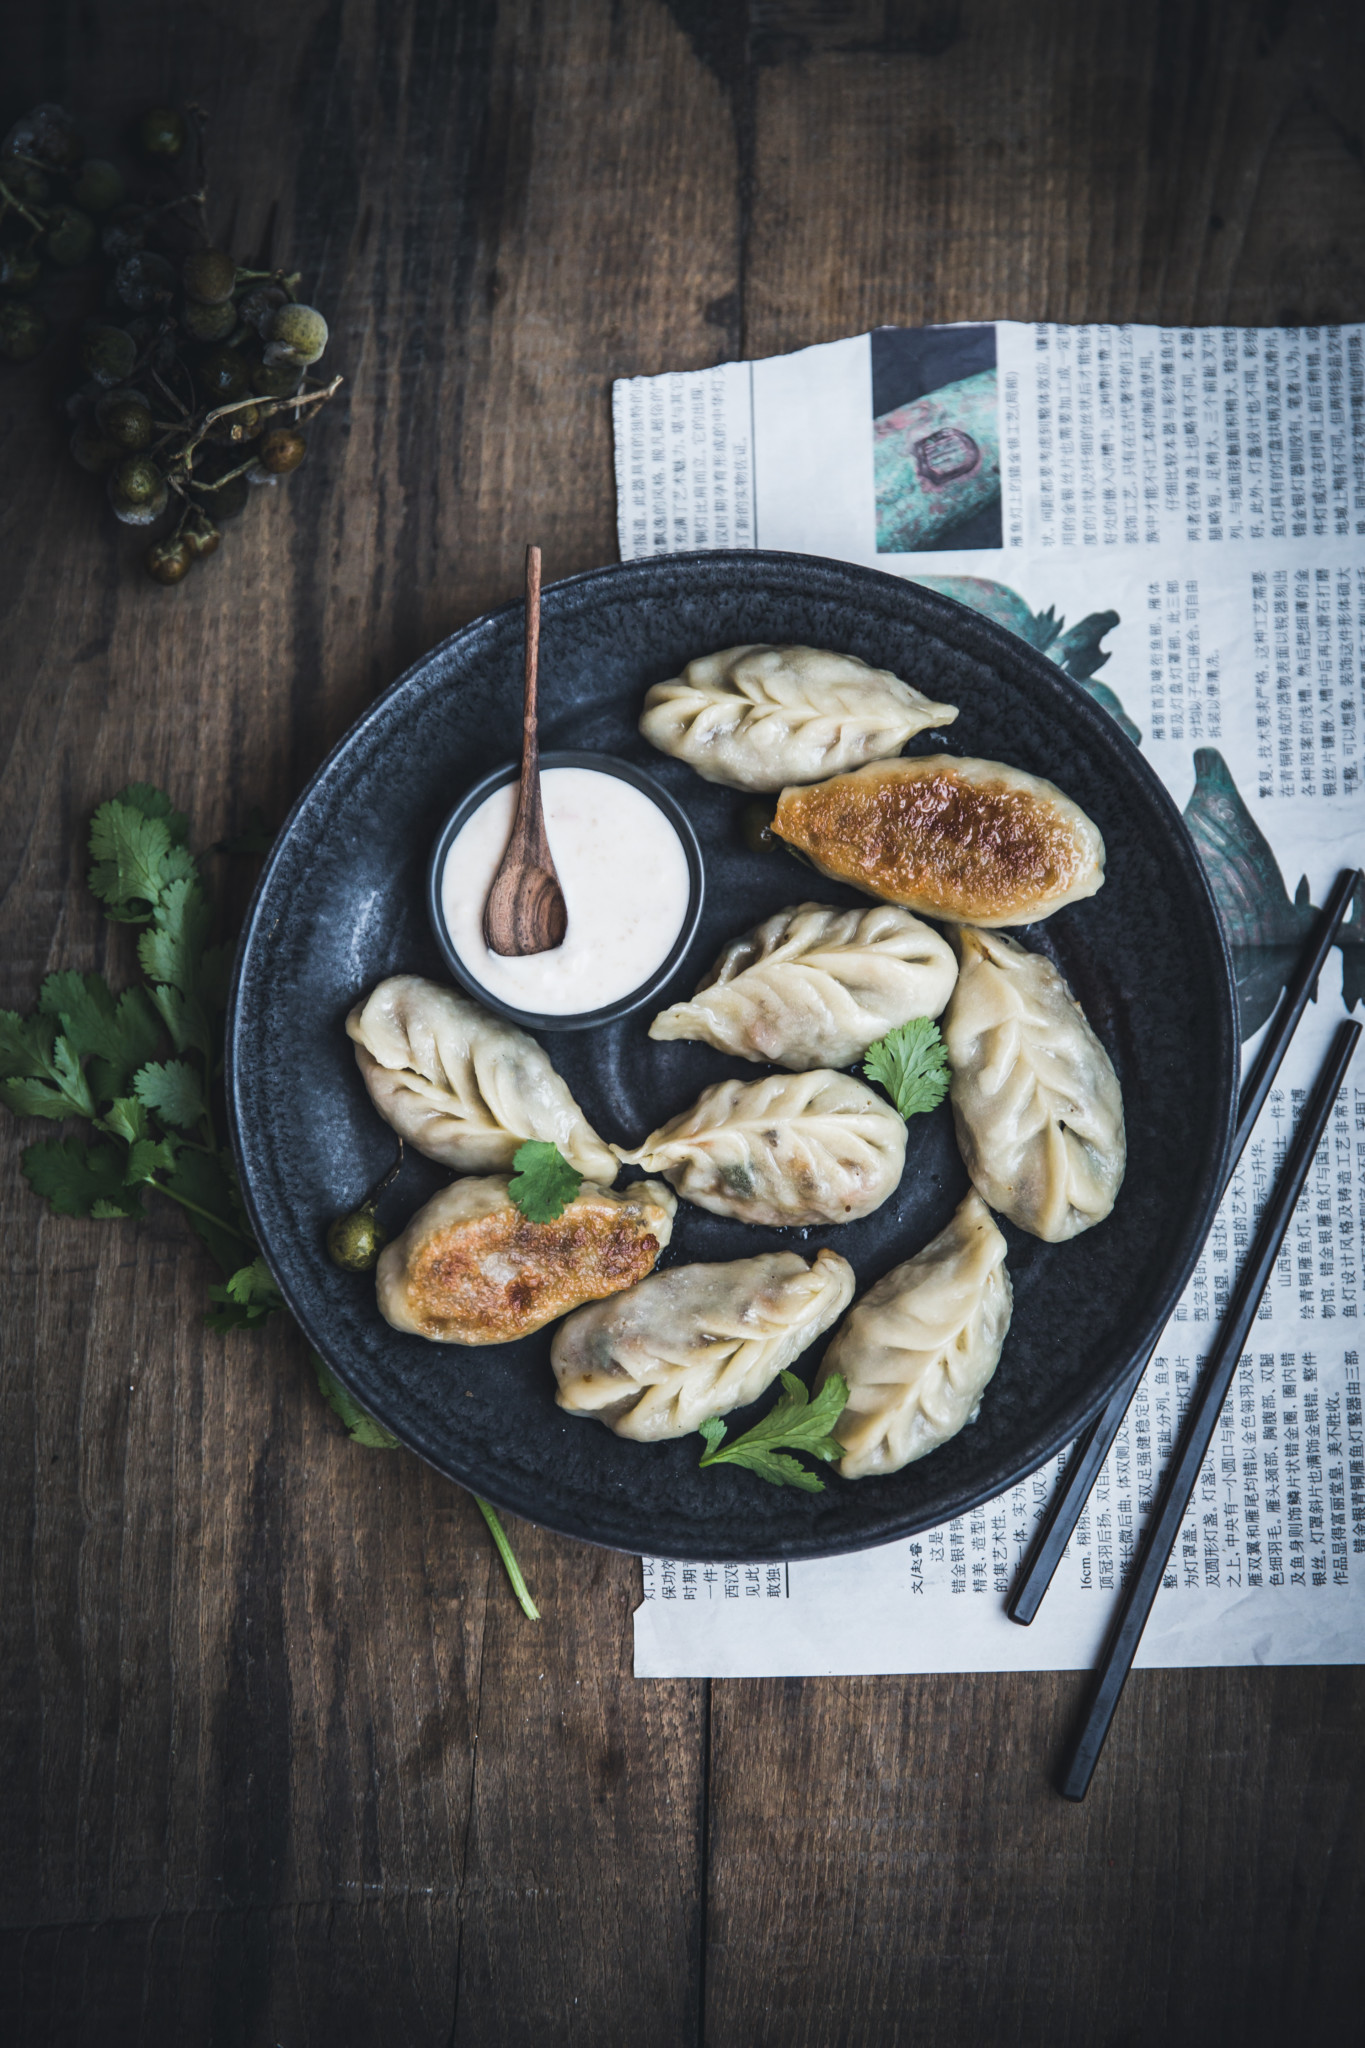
<point x="972" y="842"/>
<point x="1036" y="1101"/>
<point x="920" y="1347"/>
<point x="789" y="1149"/>
<point x="470" y="1268"/>
<point x="695" y="1341"/>
<point x="463" y="1086"/>
<point x="759" y="717"/>
<point x="813" y="986"/>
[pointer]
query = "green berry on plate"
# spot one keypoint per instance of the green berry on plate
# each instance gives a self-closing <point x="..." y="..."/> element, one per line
<point x="354" y="1242"/>
<point x="108" y="354"/>
<point x="97" y="186"/>
<point x="70" y="237"/>
<point x="299" y="329"/>
<point x="162" y="133"/>
<point x="23" y="330"/>
<point x="137" y="491"/>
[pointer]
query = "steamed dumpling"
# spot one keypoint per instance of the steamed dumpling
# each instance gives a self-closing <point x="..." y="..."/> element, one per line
<point x="470" y="1268"/>
<point x="695" y="1341"/>
<point x="759" y="717"/>
<point x="814" y="986"/>
<point x="461" y="1085"/>
<point x="921" y="1345"/>
<point x="1037" y="1103"/>
<point x="973" y="842"/>
<point x="789" y="1149"/>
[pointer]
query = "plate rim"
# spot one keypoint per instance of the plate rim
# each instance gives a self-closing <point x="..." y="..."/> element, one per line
<point x="969" y="632"/>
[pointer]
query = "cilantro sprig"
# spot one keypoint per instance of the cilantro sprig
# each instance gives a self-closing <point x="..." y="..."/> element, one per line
<point x="544" y="1183"/>
<point x="138" y="1069"/>
<point x="88" y="1054"/>
<point x="911" y="1063"/>
<point x="793" y="1423"/>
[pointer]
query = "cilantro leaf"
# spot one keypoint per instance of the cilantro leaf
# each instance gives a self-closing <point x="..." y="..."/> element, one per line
<point x="131" y="855"/>
<point x="248" y="1298"/>
<point x="54" y="1084"/>
<point x="126" y="1118"/>
<point x="544" y="1183"/>
<point x="25" y="1046"/>
<point x="173" y="1090"/>
<point x="119" y="1036"/>
<point x="170" y="952"/>
<point x="86" y="1010"/>
<point x="793" y="1423"/>
<point x="152" y="802"/>
<point x="911" y="1063"/>
<point x="360" y="1427"/>
<point x="147" y="1157"/>
<point x="138" y="1036"/>
<point x="79" y="1180"/>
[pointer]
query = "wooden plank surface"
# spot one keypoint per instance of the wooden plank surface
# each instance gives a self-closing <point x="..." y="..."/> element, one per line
<point x="283" y="1763"/>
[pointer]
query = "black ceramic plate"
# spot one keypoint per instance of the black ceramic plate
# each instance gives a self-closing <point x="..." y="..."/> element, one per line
<point x="342" y="903"/>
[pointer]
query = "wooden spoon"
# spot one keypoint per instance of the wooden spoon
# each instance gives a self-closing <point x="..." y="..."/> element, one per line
<point x="525" y="911"/>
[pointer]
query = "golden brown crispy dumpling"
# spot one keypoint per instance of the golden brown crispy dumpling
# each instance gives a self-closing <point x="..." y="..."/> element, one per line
<point x="972" y="842"/>
<point x="470" y="1268"/>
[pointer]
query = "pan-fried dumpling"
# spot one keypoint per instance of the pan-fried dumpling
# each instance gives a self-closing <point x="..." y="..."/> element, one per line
<point x="789" y="1149"/>
<point x="461" y="1085"/>
<point x="814" y="986"/>
<point x="759" y="717"/>
<point x="973" y="842"/>
<point x="920" y="1346"/>
<point x="470" y="1268"/>
<point x="695" y="1341"/>
<point x="1037" y="1104"/>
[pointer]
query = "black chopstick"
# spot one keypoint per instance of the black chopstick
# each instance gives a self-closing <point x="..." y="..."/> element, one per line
<point x="1092" y="1447"/>
<point x="1197" y="1431"/>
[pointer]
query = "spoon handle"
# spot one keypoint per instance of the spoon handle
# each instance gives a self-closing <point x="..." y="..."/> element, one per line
<point x="532" y="817"/>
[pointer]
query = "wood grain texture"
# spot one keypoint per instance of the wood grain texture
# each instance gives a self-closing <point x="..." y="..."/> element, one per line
<point x="283" y="1763"/>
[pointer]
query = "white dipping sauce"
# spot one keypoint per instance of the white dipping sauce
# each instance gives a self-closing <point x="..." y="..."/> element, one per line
<point x="626" y="886"/>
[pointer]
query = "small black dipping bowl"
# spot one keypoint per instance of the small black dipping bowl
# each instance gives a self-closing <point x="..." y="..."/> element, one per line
<point x="601" y="764"/>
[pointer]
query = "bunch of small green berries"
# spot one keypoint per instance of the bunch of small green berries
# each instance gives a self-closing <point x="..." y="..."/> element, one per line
<point x="197" y="371"/>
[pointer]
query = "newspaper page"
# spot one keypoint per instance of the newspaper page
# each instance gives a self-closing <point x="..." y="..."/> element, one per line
<point x="1177" y="517"/>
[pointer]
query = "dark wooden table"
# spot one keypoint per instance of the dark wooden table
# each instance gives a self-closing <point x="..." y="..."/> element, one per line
<point x="283" y="1762"/>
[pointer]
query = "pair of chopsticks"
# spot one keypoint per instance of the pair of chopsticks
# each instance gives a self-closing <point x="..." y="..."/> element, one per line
<point x="1216" y="1375"/>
